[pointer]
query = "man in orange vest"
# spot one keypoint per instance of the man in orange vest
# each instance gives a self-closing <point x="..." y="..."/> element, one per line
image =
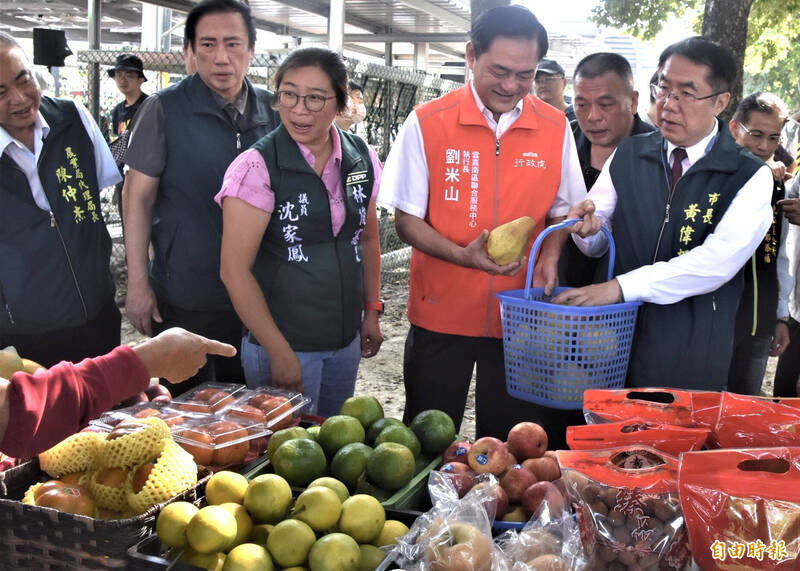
<point x="461" y="165"/>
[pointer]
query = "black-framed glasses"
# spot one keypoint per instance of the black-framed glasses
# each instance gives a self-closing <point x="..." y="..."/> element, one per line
<point x="774" y="139"/>
<point x="545" y="78"/>
<point x="313" y="101"/>
<point x="663" y="92"/>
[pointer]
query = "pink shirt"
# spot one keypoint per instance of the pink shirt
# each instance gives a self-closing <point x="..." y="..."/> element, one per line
<point x="247" y="178"/>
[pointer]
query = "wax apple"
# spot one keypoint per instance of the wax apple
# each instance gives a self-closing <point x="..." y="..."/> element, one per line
<point x="526" y="440"/>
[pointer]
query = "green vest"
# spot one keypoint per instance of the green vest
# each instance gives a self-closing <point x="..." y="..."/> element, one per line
<point x="687" y="344"/>
<point x="312" y="280"/>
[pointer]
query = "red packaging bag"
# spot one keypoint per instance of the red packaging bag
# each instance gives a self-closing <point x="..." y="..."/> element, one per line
<point x="626" y="500"/>
<point x="750" y="422"/>
<point x="742" y="507"/>
<point x="667" y="438"/>
<point x="666" y="406"/>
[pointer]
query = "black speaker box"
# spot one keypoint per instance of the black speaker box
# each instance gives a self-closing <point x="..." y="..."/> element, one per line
<point x="50" y="47"/>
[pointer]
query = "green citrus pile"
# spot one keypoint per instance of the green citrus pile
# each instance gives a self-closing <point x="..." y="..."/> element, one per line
<point x="257" y="525"/>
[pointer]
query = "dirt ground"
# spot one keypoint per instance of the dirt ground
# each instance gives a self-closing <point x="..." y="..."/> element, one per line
<point x="382" y="375"/>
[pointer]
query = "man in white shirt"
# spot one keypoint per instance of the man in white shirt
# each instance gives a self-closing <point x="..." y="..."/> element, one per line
<point x="683" y="229"/>
<point x="461" y="165"/>
<point x="56" y="290"/>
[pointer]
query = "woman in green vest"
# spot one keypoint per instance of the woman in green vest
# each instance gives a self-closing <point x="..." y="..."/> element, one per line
<point x="300" y="253"/>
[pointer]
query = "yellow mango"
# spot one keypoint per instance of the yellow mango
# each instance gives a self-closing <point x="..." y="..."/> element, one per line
<point x="507" y="243"/>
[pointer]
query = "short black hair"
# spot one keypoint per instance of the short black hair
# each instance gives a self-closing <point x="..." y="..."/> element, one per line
<point x="507" y="22"/>
<point x="215" y="7"/>
<point x="704" y="51"/>
<point x="763" y="102"/>
<point x="353" y="86"/>
<point x="601" y="63"/>
<point x="327" y="60"/>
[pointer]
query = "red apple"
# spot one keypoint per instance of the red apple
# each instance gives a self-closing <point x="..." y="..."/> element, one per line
<point x="543" y="495"/>
<point x="460" y="475"/>
<point x="489" y="454"/>
<point x="457" y="452"/>
<point x="515" y="481"/>
<point x="544" y="468"/>
<point x="526" y="440"/>
<point x="497" y="499"/>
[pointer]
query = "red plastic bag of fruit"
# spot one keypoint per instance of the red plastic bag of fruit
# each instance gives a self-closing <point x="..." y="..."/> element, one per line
<point x="744" y="513"/>
<point x="749" y="422"/>
<point x="626" y="500"/>
<point x="667" y="406"/>
<point x="667" y="438"/>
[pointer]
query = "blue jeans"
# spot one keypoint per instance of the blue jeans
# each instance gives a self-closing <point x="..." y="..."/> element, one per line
<point x="748" y="364"/>
<point x="329" y="377"/>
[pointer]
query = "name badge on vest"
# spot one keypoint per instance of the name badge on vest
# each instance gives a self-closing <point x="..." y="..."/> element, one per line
<point x="461" y="170"/>
<point x="354" y="187"/>
<point x="289" y="215"/>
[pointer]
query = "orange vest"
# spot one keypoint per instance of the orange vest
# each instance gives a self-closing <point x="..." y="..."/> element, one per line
<point x="477" y="182"/>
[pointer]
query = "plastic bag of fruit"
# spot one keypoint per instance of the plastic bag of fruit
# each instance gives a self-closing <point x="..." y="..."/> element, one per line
<point x="747" y="422"/>
<point x="626" y="500"/>
<point x="452" y="535"/>
<point x="667" y="406"/>
<point x="667" y="438"/>
<point x="544" y="543"/>
<point x="744" y="513"/>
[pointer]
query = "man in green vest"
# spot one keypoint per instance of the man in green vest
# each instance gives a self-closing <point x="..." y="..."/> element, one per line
<point x="56" y="290"/>
<point x="687" y="207"/>
<point x="184" y="138"/>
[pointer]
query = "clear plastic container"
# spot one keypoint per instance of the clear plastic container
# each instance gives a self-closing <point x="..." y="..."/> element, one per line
<point x="208" y="397"/>
<point x="221" y="440"/>
<point x="277" y="408"/>
<point x="166" y="411"/>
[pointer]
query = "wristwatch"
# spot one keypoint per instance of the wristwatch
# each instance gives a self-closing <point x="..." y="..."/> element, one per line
<point x="375" y="305"/>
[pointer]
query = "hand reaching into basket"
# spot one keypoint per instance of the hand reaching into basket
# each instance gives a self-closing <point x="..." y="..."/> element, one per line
<point x="605" y="293"/>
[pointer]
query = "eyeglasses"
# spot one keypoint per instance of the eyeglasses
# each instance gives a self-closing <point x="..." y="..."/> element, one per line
<point x="547" y="78"/>
<point x="661" y="92"/>
<point x="313" y="101"/>
<point x="774" y="139"/>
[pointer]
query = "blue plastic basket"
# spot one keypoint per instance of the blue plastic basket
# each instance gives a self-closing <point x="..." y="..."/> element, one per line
<point x="553" y="353"/>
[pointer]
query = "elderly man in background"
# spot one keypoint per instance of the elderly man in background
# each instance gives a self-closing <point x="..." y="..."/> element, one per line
<point x="56" y="290"/>
<point x="184" y="139"/>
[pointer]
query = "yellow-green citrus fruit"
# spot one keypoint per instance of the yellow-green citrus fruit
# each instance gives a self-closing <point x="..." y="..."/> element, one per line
<point x="391" y="466"/>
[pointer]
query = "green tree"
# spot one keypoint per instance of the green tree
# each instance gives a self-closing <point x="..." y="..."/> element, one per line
<point x="760" y="33"/>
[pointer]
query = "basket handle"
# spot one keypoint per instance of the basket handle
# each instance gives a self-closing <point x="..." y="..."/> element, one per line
<point x="549" y="230"/>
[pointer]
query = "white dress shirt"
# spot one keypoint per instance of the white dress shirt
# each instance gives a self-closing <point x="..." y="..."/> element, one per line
<point x="706" y="267"/>
<point x="107" y="171"/>
<point x="404" y="184"/>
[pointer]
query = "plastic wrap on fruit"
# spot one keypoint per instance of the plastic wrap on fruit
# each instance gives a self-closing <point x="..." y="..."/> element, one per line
<point x="543" y="543"/>
<point x="745" y="513"/>
<point x="667" y="438"/>
<point x="626" y="500"/>
<point x="750" y="422"/>
<point x="452" y="536"/>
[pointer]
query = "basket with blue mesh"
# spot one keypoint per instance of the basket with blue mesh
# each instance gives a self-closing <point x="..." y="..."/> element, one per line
<point x="553" y="353"/>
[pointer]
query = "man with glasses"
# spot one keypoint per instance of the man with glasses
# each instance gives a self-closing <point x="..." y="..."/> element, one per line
<point x="184" y="138"/>
<point x="549" y="85"/>
<point x="756" y="125"/>
<point x="461" y="165"/>
<point x="128" y="73"/>
<point x="687" y="207"/>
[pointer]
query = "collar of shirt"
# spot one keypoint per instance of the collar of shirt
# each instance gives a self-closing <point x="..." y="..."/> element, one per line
<point x="40" y="131"/>
<point x="506" y="119"/>
<point x="336" y="154"/>
<point x="240" y="103"/>
<point x="696" y="151"/>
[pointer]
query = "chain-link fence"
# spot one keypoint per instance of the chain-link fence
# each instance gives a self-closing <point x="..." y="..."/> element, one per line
<point x="389" y="95"/>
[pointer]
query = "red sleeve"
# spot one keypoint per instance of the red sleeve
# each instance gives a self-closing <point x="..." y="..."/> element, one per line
<point x="51" y="404"/>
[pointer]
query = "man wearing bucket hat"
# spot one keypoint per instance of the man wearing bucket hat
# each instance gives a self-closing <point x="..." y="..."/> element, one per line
<point x="687" y="207"/>
<point x="128" y="73"/>
<point x="462" y="164"/>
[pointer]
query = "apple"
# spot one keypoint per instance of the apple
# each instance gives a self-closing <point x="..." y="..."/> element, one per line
<point x="526" y="440"/>
<point x="544" y="468"/>
<point x="112" y="477"/>
<point x="489" y="454"/>
<point x="140" y="476"/>
<point x="495" y="497"/>
<point x="158" y="392"/>
<point x="515" y="481"/>
<point x="460" y="475"/>
<point x="457" y="452"/>
<point x="460" y="547"/>
<point x="543" y="495"/>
